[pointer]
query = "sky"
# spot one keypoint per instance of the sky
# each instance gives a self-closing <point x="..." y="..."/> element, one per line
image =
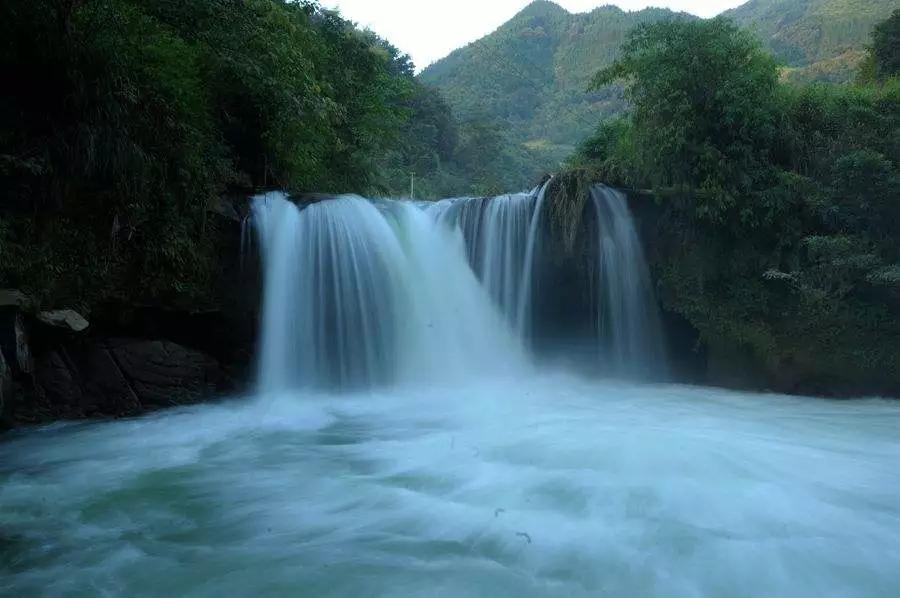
<point x="428" y="30"/>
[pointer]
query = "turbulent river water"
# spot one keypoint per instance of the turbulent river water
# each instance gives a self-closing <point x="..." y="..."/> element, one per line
<point x="406" y="440"/>
<point x="550" y="485"/>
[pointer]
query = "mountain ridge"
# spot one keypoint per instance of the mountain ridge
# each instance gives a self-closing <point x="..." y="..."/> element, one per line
<point x="533" y="71"/>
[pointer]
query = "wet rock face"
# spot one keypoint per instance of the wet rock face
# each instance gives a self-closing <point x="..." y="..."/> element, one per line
<point x="124" y="377"/>
<point x="56" y="366"/>
<point x="60" y="388"/>
<point x="162" y="374"/>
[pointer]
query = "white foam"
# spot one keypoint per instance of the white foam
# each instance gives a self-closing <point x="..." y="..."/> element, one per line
<point x="549" y="485"/>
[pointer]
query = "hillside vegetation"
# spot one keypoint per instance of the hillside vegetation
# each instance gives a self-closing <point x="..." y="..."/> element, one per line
<point x="818" y="40"/>
<point x="781" y="226"/>
<point x="529" y="78"/>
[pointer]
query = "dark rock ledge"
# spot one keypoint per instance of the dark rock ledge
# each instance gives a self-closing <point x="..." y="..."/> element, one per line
<point x="54" y="366"/>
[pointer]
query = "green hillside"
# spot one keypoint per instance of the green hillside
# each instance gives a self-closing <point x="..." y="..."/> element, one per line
<point x="529" y="78"/>
<point x="532" y="74"/>
<point x="816" y="39"/>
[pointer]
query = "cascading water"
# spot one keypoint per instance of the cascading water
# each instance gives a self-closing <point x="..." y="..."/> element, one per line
<point x="360" y="293"/>
<point x="329" y="298"/>
<point x="502" y="239"/>
<point x="627" y="320"/>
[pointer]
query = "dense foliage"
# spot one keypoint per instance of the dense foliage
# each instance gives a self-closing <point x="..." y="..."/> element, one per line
<point x="705" y="123"/>
<point x="528" y="78"/>
<point x="122" y="119"/>
<point x="438" y="156"/>
<point x="883" y="59"/>
<point x="782" y="225"/>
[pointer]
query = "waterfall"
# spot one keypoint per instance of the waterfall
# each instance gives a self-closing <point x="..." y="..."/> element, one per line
<point x="361" y="293"/>
<point x="626" y="316"/>
<point x="502" y="242"/>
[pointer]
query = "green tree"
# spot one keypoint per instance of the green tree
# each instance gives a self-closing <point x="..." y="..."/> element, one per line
<point x="886" y="46"/>
<point x="702" y="97"/>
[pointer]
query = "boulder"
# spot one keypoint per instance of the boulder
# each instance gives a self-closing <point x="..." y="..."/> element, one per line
<point x="66" y="319"/>
<point x="82" y="379"/>
<point x="58" y="380"/>
<point x="123" y="377"/>
<point x="107" y="390"/>
<point x="163" y="374"/>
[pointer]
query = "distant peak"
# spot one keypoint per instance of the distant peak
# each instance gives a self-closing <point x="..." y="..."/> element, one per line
<point x="603" y="8"/>
<point x="540" y="8"/>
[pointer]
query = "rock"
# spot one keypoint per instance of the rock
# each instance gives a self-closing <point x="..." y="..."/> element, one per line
<point x="12" y="298"/>
<point x="83" y="376"/>
<point x="223" y="207"/>
<point x="64" y="318"/>
<point x="58" y="379"/>
<point x="107" y="390"/>
<point x="124" y="377"/>
<point x="14" y="342"/>
<point x="163" y="374"/>
<point x="84" y="379"/>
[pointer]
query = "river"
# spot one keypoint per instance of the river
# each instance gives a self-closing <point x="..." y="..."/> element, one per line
<point x="534" y="486"/>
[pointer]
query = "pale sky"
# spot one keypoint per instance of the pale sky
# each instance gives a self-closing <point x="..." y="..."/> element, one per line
<point x="428" y="30"/>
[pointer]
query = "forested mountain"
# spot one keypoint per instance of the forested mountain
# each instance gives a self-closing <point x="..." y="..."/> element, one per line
<point x="531" y="76"/>
<point x="816" y="39"/>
